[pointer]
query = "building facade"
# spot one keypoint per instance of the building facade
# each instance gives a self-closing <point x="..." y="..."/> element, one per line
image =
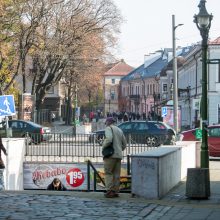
<point x="140" y="89"/>
<point x="190" y="87"/>
<point x="111" y="85"/>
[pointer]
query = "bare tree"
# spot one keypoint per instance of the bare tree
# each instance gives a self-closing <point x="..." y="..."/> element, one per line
<point x="68" y="36"/>
<point x="62" y="37"/>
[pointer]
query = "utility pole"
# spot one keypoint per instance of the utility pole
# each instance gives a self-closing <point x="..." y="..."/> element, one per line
<point x="175" y="78"/>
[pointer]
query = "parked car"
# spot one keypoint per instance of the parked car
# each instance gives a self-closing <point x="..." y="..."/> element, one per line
<point x="213" y="139"/>
<point x="152" y="133"/>
<point x="34" y="132"/>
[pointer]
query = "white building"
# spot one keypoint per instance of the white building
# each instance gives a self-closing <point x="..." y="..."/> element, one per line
<point x="190" y="87"/>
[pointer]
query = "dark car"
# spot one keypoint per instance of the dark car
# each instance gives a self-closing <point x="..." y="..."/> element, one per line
<point x="34" y="132"/>
<point x="152" y="133"/>
<point x="213" y="139"/>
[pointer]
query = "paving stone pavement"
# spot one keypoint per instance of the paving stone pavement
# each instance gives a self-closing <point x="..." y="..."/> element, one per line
<point x="83" y="205"/>
<point x="62" y="205"/>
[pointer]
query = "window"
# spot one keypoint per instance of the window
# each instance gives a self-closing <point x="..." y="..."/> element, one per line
<point x="126" y="126"/>
<point x="16" y="125"/>
<point x="113" y="81"/>
<point x="160" y="126"/>
<point x="151" y="89"/>
<point x="164" y="87"/>
<point x="132" y="90"/>
<point x="51" y="90"/>
<point x="141" y="126"/>
<point x="218" y="72"/>
<point x="214" y="132"/>
<point x="112" y="94"/>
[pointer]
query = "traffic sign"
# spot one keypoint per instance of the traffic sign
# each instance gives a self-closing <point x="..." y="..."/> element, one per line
<point x="7" y="105"/>
<point x="198" y="133"/>
<point x="164" y="111"/>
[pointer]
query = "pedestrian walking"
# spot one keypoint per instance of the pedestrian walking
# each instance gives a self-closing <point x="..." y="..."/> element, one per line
<point x="91" y="116"/>
<point x="2" y="165"/>
<point x="53" y="116"/>
<point x="125" y="118"/>
<point x="84" y="118"/>
<point x="112" y="164"/>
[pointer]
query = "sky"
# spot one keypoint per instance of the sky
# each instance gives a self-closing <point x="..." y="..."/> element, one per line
<point x="148" y="26"/>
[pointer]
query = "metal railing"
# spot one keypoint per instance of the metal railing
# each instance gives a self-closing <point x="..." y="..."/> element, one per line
<point x="79" y="148"/>
<point x="124" y="180"/>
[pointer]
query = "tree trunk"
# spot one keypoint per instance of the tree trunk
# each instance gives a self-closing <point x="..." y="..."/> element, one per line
<point x="23" y="76"/>
<point x="68" y="108"/>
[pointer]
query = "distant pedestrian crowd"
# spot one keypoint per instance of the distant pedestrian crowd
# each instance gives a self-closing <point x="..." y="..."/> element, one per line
<point x="121" y="116"/>
<point x="94" y="116"/>
<point x="132" y="116"/>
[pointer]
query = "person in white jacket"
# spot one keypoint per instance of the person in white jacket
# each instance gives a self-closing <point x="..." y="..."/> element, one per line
<point x="112" y="165"/>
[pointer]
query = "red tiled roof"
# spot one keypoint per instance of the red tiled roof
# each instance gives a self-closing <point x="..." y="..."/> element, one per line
<point x="120" y="69"/>
<point x="216" y="41"/>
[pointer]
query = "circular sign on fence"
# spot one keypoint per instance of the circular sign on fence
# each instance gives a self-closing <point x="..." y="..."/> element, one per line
<point x="75" y="177"/>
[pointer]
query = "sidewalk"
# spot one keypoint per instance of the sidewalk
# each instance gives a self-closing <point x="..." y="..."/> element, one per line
<point x="92" y="205"/>
<point x="60" y="127"/>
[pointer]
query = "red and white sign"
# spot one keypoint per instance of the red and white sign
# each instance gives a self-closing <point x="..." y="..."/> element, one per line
<point x="75" y="177"/>
<point x="40" y="175"/>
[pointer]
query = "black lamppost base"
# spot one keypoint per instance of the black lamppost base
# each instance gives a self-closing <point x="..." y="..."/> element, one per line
<point x="198" y="183"/>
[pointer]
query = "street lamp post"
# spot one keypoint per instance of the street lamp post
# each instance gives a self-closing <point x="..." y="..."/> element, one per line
<point x="175" y="86"/>
<point x="203" y="23"/>
<point x="76" y="112"/>
<point x="154" y="96"/>
<point x="198" y="179"/>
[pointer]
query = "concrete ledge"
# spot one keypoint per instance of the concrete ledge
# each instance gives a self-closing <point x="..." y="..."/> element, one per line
<point x="198" y="183"/>
<point x="155" y="172"/>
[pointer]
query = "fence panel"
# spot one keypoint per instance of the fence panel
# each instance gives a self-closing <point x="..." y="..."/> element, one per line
<point x="78" y="148"/>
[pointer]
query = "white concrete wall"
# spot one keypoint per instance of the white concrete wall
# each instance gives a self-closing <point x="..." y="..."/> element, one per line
<point x="157" y="171"/>
<point x="189" y="155"/>
<point x="13" y="173"/>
